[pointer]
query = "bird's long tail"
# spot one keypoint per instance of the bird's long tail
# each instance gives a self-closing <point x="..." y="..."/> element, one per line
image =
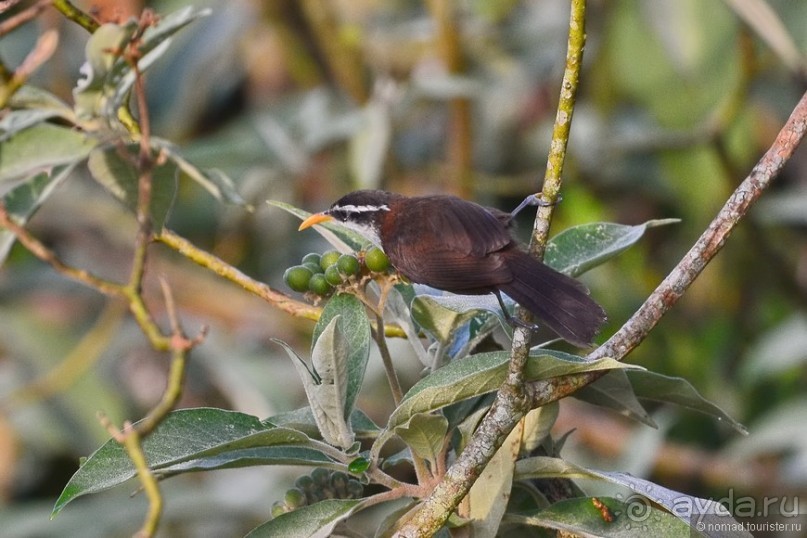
<point x="561" y="302"/>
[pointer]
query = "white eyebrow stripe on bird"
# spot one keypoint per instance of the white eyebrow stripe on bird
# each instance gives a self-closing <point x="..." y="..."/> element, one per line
<point x="361" y="208"/>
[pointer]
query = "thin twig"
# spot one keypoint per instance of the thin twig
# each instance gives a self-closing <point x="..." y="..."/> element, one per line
<point x="43" y="49"/>
<point x="38" y="249"/>
<point x="18" y="19"/>
<point x="76" y="15"/>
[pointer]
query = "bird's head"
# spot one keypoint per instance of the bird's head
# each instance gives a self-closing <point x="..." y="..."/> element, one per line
<point x="360" y="211"/>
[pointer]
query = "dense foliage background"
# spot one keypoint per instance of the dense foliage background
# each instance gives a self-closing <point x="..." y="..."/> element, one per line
<point x="303" y="101"/>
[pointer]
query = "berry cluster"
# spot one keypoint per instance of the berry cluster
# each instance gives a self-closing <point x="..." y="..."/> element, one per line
<point x="320" y="274"/>
<point x="321" y="484"/>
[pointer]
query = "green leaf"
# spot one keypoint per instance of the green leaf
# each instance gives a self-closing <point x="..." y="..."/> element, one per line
<point x="691" y="510"/>
<point x="29" y="106"/>
<point x="313" y="521"/>
<point x="118" y="174"/>
<point x="325" y="383"/>
<point x="424" y="434"/>
<point x="485" y="372"/>
<point x="581" y="517"/>
<point x="109" y="77"/>
<point x="342" y="239"/>
<point x="184" y="436"/>
<point x="251" y="457"/>
<point x="41" y="147"/>
<point x="102" y="70"/>
<point x="614" y="391"/>
<point x="303" y="420"/>
<point x="439" y="320"/>
<point x="576" y="250"/>
<point x="215" y="182"/>
<point x="489" y="496"/>
<point x="660" y="388"/>
<point x="355" y="328"/>
<point x="24" y="199"/>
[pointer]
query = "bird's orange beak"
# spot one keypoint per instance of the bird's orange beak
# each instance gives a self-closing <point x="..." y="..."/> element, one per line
<point x="316" y="218"/>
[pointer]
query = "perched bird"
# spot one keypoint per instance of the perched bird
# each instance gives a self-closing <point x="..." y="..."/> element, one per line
<point x="462" y="247"/>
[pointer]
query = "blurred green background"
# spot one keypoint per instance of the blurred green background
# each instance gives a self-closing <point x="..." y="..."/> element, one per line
<point x="302" y="101"/>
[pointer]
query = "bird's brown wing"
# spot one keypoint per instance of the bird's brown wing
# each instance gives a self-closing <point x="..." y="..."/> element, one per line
<point x="451" y="246"/>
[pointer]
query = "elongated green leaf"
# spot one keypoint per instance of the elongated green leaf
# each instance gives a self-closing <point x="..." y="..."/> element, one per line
<point x="251" y="457"/>
<point x="41" y="147"/>
<point x="656" y="387"/>
<point x="24" y="199"/>
<point x="576" y="250"/>
<point x="216" y="182"/>
<point x="439" y="320"/>
<point x="324" y="384"/>
<point x="691" y="510"/>
<point x="31" y="105"/>
<point x="314" y="521"/>
<point x="303" y="420"/>
<point x="618" y="519"/>
<point x="114" y="168"/>
<point x="355" y="328"/>
<point x="485" y="372"/>
<point x="490" y="494"/>
<point x="184" y="436"/>
<point x="424" y="434"/>
<point x="341" y="238"/>
<point x="614" y="391"/>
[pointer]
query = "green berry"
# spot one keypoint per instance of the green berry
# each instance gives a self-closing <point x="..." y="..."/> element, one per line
<point x="279" y="508"/>
<point x="304" y="483"/>
<point x="311" y="257"/>
<point x="333" y="276"/>
<point x="313" y="267"/>
<point x="348" y="265"/>
<point x="321" y="476"/>
<point x="294" y="498"/>
<point x="319" y="285"/>
<point x="355" y="489"/>
<point x="328" y="259"/>
<point x="376" y="260"/>
<point x="339" y="484"/>
<point x="298" y="277"/>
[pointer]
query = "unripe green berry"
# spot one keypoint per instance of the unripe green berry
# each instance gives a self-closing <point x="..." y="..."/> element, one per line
<point x="355" y="489"/>
<point x="304" y="483"/>
<point x="311" y="257"/>
<point x="339" y="484"/>
<point x="319" y="285"/>
<point x="294" y="498"/>
<point x="298" y="277"/>
<point x="333" y="276"/>
<point x="376" y="260"/>
<point x="321" y="476"/>
<point x="348" y="265"/>
<point x="328" y="259"/>
<point x="313" y="267"/>
<point x="279" y="508"/>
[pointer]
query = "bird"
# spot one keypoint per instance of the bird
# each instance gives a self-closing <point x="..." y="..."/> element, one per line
<point x="465" y="248"/>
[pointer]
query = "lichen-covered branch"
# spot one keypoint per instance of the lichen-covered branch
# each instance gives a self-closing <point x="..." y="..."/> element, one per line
<point x="513" y="399"/>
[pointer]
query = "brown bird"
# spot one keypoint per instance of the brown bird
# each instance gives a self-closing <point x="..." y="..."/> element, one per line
<point x="462" y="247"/>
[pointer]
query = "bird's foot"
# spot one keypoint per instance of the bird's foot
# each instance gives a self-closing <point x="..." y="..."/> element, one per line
<point x="513" y="321"/>
<point x="534" y="200"/>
